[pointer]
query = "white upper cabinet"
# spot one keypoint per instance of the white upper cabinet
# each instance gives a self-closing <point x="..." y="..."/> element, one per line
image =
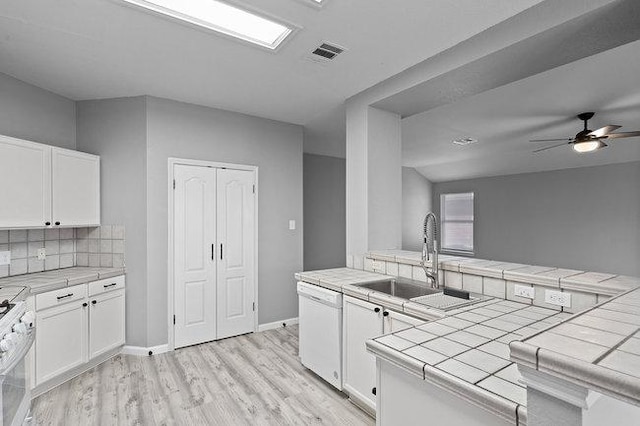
<point x="44" y="186"/>
<point x="25" y="184"/>
<point x="75" y="188"/>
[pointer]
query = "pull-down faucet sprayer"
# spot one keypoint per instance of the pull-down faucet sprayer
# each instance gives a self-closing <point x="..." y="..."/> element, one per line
<point x="430" y="249"/>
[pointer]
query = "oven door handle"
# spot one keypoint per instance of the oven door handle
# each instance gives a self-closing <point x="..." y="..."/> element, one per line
<point x="18" y="356"/>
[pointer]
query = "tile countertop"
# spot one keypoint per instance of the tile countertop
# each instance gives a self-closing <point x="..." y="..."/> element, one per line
<point x="41" y="282"/>
<point x="598" y="349"/>
<point x="468" y="352"/>
<point x="346" y="280"/>
<point x="569" y="279"/>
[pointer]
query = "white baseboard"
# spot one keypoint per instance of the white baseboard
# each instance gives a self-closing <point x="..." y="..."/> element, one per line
<point x="141" y="351"/>
<point x="277" y="324"/>
<point x="160" y="349"/>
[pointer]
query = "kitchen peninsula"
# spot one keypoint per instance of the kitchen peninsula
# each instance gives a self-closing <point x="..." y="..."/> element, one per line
<point x="459" y="366"/>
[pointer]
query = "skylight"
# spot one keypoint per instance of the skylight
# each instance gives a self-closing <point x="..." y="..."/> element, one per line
<point x="221" y="17"/>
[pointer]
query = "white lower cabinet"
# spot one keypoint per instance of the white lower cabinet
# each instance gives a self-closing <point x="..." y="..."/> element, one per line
<point x="76" y="325"/>
<point x="106" y="323"/>
<point x="363" y="321"/>
<point x="61" y="340"/>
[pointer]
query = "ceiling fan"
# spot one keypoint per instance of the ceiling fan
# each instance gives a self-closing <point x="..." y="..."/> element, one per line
<point x="588" y="140"/>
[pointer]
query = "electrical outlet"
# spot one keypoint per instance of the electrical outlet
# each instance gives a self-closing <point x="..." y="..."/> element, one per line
<point x="5" y="258"/>
<point x="557" y="298"/>
<point x="378" y="266"/>
<point x="42" y="253"/>
<point x="524" y="291"/>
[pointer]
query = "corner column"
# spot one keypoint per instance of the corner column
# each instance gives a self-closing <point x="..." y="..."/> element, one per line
<point x="374" y="181"/>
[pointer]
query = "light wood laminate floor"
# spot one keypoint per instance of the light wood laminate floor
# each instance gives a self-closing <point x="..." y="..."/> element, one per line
<point x="255" y="379"/>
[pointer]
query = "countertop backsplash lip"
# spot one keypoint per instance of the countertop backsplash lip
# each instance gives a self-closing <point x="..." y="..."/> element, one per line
<point x="42" y="282"/>
<point x="605" y="284"/>
<point x="102" y="246"/>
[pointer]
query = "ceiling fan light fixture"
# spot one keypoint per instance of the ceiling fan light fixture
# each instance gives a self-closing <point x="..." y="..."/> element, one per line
<point x="588" y="146"/>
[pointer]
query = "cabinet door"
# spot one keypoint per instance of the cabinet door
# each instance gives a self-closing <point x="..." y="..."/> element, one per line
<point x="361" y="321"/>
<point x="106" y="322"/>
<point x="75" y="188"/>
<point x="25" y="193"/>
<point x="61" y="340"/>
<point x="395" y="321"/>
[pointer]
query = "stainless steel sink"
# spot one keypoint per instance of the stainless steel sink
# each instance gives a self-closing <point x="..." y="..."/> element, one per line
<point x="400" y="289"/>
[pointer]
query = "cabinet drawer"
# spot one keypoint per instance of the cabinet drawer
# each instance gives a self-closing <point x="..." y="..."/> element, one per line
<point x="60" y="297"/>
<point x="108" y="284"/>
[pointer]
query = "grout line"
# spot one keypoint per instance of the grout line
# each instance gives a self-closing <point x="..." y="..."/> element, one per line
<point x="608" y="352"/>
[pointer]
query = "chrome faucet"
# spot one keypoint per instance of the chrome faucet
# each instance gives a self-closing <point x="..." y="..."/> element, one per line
<point x="430" y="249"/>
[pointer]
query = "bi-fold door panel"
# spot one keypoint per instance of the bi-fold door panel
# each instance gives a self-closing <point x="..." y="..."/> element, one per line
<point x="194" y="222"/>
<point x="235" y="227"/>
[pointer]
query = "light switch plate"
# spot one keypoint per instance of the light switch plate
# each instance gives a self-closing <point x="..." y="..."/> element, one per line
<point x="42" y="253"/>
<point x="292" y="225"/>
<point x="524" y="291"/>
<point x="5" y="258"/>
<point x="557" y="298"/>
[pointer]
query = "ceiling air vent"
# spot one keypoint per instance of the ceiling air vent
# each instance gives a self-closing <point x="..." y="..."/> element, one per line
<point x="325" y="52"/>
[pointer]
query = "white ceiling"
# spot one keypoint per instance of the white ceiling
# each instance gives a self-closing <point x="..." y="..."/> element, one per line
<point x="87" y="49"/>
<point x="539" y="107"/>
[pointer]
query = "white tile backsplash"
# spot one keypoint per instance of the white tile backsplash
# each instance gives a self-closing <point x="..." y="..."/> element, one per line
<point x="419" y="274"/>
<point x="405" y="271"/>
<point x="495" y="287"/>
<point x="18" y="236"/>
<point x="472" y="283"/>
<point x="65" y="248"/>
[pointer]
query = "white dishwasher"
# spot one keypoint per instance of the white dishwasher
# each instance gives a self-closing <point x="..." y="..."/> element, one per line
<point x="320" y="337"/>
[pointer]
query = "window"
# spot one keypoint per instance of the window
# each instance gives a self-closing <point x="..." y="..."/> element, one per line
<point x="221" y="17"/>
<point x="456" y="211"/>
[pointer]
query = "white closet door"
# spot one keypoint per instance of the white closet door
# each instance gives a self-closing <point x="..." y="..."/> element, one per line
<point x="235" y="227"/>
<point x="195" y="286"/>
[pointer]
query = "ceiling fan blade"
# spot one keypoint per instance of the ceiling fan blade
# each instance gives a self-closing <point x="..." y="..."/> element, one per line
<point x="551" y="140"/>
<point x="550" y="147"/>
<point x="602" y="131"/>
<point x="622" y="135"/>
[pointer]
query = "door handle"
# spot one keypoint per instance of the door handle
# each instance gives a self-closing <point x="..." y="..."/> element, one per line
<point x="220" y="251"/>
<point x="385" y="313"/>
<point x="376" y="310"/>
<point x="65" y="296"/>
<point x="213" y="256"/>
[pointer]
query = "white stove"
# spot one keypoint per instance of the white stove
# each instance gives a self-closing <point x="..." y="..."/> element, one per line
<point x="17" y="332"/>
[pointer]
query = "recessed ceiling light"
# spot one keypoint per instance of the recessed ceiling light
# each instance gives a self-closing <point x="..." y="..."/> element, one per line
<point x="221" y="17"/>
<point x="464" y="141"/>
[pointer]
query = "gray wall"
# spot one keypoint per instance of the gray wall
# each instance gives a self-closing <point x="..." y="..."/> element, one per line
<point x="31" y="113"/>
<point x="585" y="218"/>
<point x="115" y="129"/>
<point x="188" y="131"/>
<point x="416" y="202"/>
<point x="324" y="212"/>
